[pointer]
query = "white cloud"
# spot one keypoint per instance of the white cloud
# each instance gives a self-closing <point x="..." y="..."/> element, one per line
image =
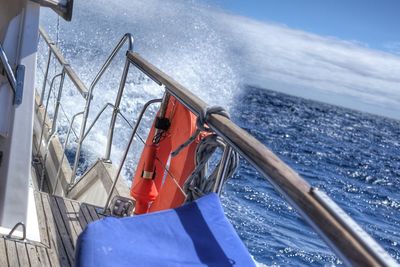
<point x="277" y="57"/>
<point x="211" y="52"/>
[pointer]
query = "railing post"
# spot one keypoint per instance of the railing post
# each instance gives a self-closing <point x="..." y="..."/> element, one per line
<point x="45" y="78"/>
<point x="81" y="134"/>
<point x="60" y="89"/>
<point x="115" y="111"/>
<point x="45" y="113"/>
<point x="64" y="147"/>
<point x="223" y="165"/>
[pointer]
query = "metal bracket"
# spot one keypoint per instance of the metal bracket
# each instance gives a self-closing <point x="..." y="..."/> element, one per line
<point x="86" y="95"/>
<point x="14" y="228"/>
<point x="121" y="206"/>
<point x="19" y="82"/>
<point x="16" y="80"/>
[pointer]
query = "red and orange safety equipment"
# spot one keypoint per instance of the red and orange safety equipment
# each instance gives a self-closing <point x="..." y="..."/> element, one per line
<point x="152" y="187"/>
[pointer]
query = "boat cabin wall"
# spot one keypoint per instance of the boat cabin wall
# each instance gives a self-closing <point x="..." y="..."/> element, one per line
<point x="19" y="38"/>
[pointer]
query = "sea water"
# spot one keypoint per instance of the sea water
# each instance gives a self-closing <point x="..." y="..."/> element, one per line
<point x="354" y="157"/>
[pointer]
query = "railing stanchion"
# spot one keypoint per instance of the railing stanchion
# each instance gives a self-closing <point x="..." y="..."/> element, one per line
<point x="45" y="114"/>
<point x="45" y="78"/>
<point x="81" y="134"/>
<point x="223" y="165"/>
<point x="64" y="148"/>
<point x="58" y="101"/>
<point x="116" y="110"/>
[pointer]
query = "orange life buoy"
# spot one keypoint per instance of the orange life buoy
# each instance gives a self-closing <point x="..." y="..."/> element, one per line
<point x="152" y="187"/>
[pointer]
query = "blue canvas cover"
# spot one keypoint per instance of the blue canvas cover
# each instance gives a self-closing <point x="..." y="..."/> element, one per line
<point x="196" y="234"/>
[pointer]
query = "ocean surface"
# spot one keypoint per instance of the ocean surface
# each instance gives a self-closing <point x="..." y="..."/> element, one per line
<point x="354" y="157"/>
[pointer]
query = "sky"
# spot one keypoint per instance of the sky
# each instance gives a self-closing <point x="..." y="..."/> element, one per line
<point x="372" y="23"/>
<point x="341" y="52"/>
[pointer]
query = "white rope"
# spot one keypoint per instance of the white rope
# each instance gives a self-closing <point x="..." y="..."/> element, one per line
<point x="198" y="184"/>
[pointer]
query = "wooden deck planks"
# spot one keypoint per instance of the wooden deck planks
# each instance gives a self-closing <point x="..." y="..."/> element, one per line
<point x="86" y="212"/>
<point x="43" y="256"/>
<point x="93" y="212"/>
<point x="12" y="253"/>
<point x="70" y="219"/>
<point x="44" y="234"/>
<point x="63" y="239"/>
<point x="58" y="249"/>
<point x="81" y="216"/>
<point x="3" y="253"/>
<point x="22" y="254"/>
<point x="60" y="223"/>
<point x="32" y="255"/>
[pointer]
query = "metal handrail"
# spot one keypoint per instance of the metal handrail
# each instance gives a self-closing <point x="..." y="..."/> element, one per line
<point x="126" y="38"/>
<point x="98" y="116"/>
<point x="354" y="247"/>
<point x="95" y="119"/>
<point x="117" y="103"/>
<point x="86" y="93"/>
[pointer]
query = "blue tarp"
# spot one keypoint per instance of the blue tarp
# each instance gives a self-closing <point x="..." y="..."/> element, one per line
<point x="196" y="234"/>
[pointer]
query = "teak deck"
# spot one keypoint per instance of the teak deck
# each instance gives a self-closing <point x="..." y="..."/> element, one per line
<point x="60" y="222"/>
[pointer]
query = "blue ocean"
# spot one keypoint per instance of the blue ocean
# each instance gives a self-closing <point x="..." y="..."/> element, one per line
<point x="353" y="156"/>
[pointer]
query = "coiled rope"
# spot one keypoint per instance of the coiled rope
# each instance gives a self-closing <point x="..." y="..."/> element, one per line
<point x="198" y="184"/>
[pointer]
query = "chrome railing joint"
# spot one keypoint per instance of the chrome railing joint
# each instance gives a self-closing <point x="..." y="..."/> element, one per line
<point x="16" y="80"/>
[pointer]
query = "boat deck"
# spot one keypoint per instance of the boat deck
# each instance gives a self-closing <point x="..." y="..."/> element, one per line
<point x="60" y="223"/>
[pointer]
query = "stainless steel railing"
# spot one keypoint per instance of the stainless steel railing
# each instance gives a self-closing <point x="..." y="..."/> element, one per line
<point x="342" y="234"/>
<point x="126" y="38"/>
<point x="87" y="94"/>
